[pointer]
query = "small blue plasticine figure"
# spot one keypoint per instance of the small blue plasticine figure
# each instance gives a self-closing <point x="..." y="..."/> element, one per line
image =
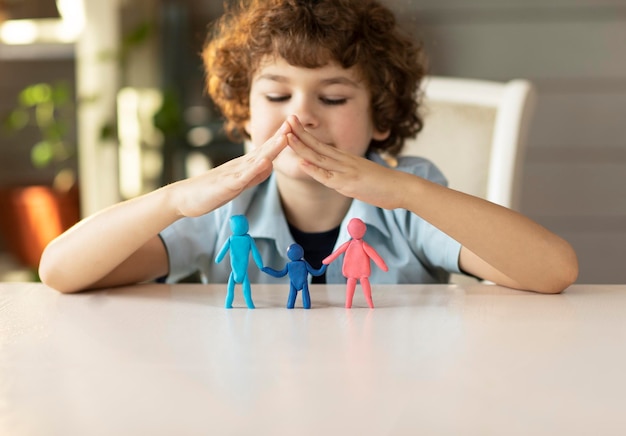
<point x="240" y="245"/>
<point x="298" y="270"/>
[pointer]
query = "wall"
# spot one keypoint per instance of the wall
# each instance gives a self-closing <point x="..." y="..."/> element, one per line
<point x="575" y="53"/>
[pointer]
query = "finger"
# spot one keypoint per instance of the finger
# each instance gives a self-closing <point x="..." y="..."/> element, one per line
<point x="313" y="157"/>
<point x="324" y="176"/>
<point x="241" y="172"/>
<point x="255" y="171"/>
<point x="338" y="164"/>
<point x="257" y="164"/>
<point x="301" y="149"/>
<point x="309" y="139"/>
<point x="273" y="146"/>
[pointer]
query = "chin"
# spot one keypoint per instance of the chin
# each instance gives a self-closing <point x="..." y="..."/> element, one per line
<point x="292" y="172"/>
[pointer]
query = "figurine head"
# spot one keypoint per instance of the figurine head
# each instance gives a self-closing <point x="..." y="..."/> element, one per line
<point x="295" y="252"/>
<point x="239" y="224"/>
<point x="356" y="228"/>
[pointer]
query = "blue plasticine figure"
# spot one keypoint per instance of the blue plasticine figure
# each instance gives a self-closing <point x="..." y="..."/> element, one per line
<point x="240" y="245"/>
<point x="298" y="270"/>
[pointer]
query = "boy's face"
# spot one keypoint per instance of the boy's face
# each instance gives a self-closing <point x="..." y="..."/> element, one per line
<point x="332" y="103"/>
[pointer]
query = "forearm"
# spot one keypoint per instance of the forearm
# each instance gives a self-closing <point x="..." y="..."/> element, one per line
<point x="515" y="246"/>
<point x="101" y="243"/>
<point x="120" y="244"/>
<point x="499" y="244"/>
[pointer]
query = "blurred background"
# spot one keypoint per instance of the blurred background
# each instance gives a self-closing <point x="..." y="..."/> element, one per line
<point x="104" y="100"/>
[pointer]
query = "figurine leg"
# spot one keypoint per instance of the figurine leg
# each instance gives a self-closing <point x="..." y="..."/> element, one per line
<point x="293" y="293"/>
<point x="231" y="292"/>
<point x="247" y="293"/>
<point x="350" y="287"/>
<point x="306" y="297"/>
<point x="367" y="291"/>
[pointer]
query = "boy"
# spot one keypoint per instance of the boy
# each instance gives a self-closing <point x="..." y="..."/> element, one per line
<point x="320" y="89"/>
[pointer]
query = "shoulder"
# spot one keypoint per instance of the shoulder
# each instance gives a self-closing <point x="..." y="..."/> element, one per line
<point x="415" y="165"/>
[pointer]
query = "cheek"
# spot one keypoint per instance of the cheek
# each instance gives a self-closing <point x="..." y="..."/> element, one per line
<point x="355" y="135"/>
<point x="257" y="129"/>
<point x="263" y="124"/>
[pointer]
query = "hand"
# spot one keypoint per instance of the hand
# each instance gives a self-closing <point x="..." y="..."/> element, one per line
<point x="206" y="192"/>
<point x="351" y="175"/>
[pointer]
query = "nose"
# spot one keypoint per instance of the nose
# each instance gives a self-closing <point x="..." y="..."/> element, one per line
<point x="306" y="111"/>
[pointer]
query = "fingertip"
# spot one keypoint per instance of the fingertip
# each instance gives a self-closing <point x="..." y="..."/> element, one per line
<point x="281" y="141"/>
<point x="292" y="140"/>
<point x="293" y="120"/>
<point x="285" y="127"/>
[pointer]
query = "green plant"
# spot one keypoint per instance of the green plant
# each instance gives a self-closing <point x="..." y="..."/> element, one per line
<point x="49" y="107"/>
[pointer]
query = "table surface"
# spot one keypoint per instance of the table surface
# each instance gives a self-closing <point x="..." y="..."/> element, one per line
<point x="430" y="359"/>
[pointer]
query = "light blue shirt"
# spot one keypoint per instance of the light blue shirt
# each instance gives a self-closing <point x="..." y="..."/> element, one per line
<point x="414" y="250"/>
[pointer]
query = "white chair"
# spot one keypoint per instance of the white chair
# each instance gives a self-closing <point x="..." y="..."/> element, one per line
<point x="475" y="132"/>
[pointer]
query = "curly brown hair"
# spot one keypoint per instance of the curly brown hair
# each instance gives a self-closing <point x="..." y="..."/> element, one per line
<point x="310" y="34"/>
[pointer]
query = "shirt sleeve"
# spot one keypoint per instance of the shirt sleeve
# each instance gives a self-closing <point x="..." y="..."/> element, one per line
<point x="189" y="241"/>
<point x="437" y="248"/>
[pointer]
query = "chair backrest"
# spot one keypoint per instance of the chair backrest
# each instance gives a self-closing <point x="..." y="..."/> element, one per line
<point x="475" y="132"/>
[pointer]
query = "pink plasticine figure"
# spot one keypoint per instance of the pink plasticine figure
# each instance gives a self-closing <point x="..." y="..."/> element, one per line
<point x="356" y="262"/>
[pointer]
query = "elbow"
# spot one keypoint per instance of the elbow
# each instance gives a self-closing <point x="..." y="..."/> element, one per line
<point x="565" y="274"/>
<point x="557" y="286"/>
<point x="567" y="278"/>
<point x="51" y="274"/>
<point x="54" y="280"/>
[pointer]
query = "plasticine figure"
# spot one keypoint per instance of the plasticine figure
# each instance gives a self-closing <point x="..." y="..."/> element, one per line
<point x="240" y="245"/>
<point x="298" y="270"/>
<point x="356" y="262"/>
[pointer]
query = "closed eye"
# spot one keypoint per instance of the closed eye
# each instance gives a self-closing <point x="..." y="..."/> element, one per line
<point x="277" y="98"/>
<point x="333" y="101"/>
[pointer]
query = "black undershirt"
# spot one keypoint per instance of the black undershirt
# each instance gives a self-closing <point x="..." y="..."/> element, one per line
<point x="317" y="246"/>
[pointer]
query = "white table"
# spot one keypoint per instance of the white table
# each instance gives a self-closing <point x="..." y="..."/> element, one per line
<point x="432" y="360"/>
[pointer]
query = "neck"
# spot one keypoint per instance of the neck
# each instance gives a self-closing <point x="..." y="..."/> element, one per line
<point x="310" y="206"/>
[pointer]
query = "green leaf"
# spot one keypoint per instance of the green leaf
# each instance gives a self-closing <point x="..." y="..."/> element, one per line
<point x="107" y="131"/>
<point x="16" y="120"/>
<point x="35" y="94"/>
<point x="60" y="93"/>
<point x="138" y="35"/>
<point x="168" y="118"/>
<point x="41" y="154"/>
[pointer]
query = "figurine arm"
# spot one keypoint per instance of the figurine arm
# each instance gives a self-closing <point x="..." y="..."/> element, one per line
<point x="337" y="252"/>
<point x="275" y="273"/>
<point x="316" y="272"/>
<point x="255" y="254"/>
<point x="223" y="251"/>
<point x="369" y="250"/>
